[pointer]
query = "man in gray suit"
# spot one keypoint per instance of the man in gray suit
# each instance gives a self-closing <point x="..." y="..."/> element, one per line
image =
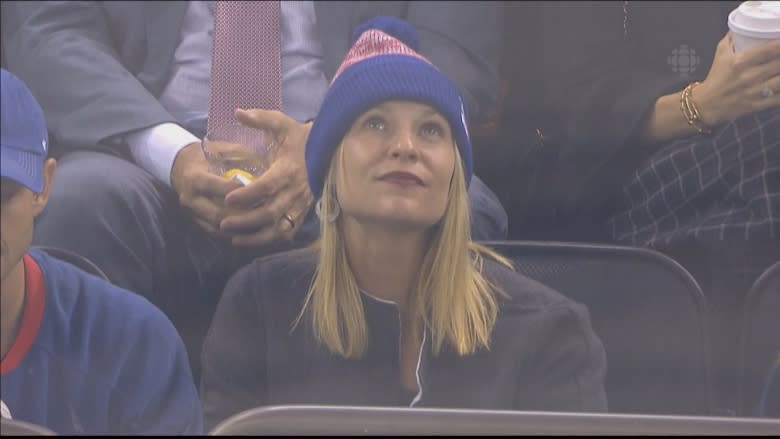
<point x="125" y="89"/>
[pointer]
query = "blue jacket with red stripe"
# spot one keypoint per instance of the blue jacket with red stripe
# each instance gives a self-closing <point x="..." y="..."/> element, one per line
<point x="92" y="358"/>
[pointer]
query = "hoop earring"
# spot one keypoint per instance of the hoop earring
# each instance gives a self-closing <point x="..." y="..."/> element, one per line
<point x="335" y="210"/>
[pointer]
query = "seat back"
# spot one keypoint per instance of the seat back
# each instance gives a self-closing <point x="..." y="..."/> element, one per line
<point x="648" y="311"/>
<point x="760" y="338"/>
<point x="74" y="259"/>
<point x="308" y="420"/>
<point x="13" y="427"/>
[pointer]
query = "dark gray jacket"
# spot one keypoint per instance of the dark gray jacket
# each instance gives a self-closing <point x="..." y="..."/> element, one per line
<point x="615" y="60"/>
<point x="544" y="354"/>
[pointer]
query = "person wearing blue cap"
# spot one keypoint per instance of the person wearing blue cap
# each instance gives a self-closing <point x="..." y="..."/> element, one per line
<point x="395" y="304"/>
<point x="79" y="355"/>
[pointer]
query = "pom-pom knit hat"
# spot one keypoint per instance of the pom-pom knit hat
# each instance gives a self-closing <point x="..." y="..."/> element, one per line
<point x="382" y="65"/>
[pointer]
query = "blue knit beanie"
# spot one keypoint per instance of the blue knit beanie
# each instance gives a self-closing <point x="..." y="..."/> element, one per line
<point x="382" y="65"/>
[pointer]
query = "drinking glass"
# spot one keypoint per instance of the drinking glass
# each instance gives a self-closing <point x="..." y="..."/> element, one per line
<point x="239" y="152"/>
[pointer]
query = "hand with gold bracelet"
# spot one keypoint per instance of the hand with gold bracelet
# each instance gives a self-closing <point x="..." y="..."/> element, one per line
<point x="737" y="84"/>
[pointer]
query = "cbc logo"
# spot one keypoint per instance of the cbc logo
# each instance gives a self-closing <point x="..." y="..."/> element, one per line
<point x="683" y="60"/>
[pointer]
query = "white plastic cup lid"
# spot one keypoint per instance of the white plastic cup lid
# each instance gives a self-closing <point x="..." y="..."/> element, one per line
<point x="756" y="19"/>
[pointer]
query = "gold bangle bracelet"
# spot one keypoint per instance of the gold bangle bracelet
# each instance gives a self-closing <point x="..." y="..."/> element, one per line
<point x="690" y="111"/>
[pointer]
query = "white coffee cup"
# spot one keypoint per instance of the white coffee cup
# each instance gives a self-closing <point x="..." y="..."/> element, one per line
<point x="753" y="23"/>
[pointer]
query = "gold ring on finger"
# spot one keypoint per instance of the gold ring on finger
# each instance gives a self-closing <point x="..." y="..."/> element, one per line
<point x="289" y="220"/>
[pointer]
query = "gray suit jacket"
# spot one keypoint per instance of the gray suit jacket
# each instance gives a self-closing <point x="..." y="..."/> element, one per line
<point x="98" y="67"/>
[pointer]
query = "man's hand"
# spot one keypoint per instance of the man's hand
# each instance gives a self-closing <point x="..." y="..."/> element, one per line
<point x="201" y="192"/>
<point x="282" y="190"/>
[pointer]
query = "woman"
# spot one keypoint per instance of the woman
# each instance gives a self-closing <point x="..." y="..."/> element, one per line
<point x="395" y="305"/>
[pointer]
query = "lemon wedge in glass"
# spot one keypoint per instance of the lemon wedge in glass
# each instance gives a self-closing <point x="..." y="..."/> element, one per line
<point x="239" y="175"/>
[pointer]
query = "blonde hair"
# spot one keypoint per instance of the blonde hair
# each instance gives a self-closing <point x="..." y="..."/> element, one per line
<point x="452" y="297"/>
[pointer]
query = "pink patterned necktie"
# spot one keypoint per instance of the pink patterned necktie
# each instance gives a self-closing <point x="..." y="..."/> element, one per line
<point x="245" y="65"/>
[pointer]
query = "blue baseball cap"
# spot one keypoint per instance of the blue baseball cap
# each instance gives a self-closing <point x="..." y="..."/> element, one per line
<point x="24" y="141"/>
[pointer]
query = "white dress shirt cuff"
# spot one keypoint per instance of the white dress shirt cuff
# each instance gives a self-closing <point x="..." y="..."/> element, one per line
<point x="155" y="148"/>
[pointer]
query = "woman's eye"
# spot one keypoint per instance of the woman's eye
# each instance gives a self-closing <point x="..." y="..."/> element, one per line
<point x="375" y="123"/>
<point x="432" y="129"/>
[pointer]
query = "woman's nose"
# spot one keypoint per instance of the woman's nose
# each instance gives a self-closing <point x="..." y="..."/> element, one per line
<point x="404" y="146"/>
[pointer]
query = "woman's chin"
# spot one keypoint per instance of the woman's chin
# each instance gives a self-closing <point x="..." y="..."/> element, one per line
<point x="400" y="219"/>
